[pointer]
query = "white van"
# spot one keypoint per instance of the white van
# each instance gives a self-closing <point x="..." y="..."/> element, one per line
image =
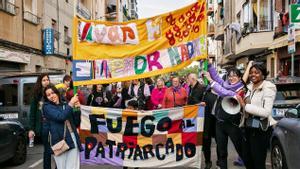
<point x="16" y="94"/>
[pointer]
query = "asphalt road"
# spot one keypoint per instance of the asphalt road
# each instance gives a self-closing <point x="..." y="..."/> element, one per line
<point x="35" y="154"/>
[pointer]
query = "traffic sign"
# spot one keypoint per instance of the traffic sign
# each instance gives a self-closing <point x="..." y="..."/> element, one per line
<point x="295" y="13"/>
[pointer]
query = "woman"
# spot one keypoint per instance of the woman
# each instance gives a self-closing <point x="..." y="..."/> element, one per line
<point x="68" y="97"/>
<point x="58" y="115"/>
<point x="258" y="107"/>
<point x="158" y="93"/>
<point x="227" y="125"/>
<point x="175" y="95"/>
<point x="100" y="97"/>
<point x="37" y="124"/>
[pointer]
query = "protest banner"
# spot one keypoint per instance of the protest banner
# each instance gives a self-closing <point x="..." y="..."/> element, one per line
<point x="158" y="138"/>
<point x="106" y="52"/>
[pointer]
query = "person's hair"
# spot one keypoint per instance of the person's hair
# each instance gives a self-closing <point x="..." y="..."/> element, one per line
<point x="67" y="78"/>
<point x="71" y="84"/>
<point x="38" y="88"/>
<point x="149" y="81"/>
<point x="133" y="103"/>
<point x="235" y="71"/>
<point x="94" y="90"/>
<point x="54" y="89"/>
<point x="262" y="69"/>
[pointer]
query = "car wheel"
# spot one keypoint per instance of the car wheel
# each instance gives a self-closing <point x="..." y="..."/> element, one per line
<point x="278" y="159"/>
<point x="20" y="152"/>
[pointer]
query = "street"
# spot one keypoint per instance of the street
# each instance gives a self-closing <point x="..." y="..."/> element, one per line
<point x="35" y="155"/>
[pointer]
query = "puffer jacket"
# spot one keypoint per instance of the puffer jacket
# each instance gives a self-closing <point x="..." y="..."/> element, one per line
<point x="261" y="101"/>
<point x="56" y="116"/>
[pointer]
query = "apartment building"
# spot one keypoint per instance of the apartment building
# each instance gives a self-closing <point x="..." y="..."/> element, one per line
<point x="253" y="29"/>
<point x="21" y="36"/>
<point x="36" y="35"/>
<point x="279" y="46"/>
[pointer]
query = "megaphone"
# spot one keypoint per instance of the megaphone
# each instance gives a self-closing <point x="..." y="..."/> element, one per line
<point x="231" y="105"/>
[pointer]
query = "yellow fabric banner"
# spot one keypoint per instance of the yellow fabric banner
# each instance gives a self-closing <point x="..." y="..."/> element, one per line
<point x="112" y="40"/>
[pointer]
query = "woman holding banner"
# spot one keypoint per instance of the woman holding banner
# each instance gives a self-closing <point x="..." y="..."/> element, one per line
<point x="175" y="95"/>
<point x="61" y="122"/>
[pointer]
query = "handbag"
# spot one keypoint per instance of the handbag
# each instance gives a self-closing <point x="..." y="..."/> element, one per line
<point x="60" y="147"/>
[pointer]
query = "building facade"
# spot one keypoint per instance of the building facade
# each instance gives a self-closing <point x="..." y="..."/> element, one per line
<point x="253" y="30"/>
<point x="36" y="35"/>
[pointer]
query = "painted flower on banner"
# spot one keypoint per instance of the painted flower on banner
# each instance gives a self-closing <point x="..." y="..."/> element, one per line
<point x="184" y="24"/>
<point x="114" y="35"/>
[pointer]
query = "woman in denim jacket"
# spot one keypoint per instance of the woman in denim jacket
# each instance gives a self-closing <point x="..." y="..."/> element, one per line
<point x="58" y="114"/>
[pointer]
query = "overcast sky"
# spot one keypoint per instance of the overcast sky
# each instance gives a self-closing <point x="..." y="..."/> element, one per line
<point x="148" y="8"/>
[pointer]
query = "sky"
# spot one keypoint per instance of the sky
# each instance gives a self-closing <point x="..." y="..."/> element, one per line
<point x="148" y="8"/>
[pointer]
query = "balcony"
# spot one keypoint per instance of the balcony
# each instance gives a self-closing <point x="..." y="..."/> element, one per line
<point x="210" y="30"/>
<point x="31" y="18"/>
<point x="111" y="16"/>
<point x="68" y="40"/>
<point x="219" y="31"/>
<point x="133" y="15"/>
<point x="8" y="7"/>
<point x="253" y="43"/>
<point x="56" y="34"/>
<point x="83" y="11"/>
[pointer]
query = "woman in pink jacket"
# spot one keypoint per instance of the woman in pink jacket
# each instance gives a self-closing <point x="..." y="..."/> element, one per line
<point x="158" y="93"/>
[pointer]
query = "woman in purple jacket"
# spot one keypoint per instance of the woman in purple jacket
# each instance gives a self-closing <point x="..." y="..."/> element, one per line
<point x="227" y="125"/>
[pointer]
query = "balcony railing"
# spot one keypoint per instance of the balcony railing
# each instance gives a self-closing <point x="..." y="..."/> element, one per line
<point x="8" y="7"/>
<point x="262" y="26"/>
<point x="111" y="16"/>
<point x="32" y="18"/>
<point x="68" y="40"/>
<point x="56" y="34"/>
<point x="134" y="15"/>
<point x="83" y="11"/>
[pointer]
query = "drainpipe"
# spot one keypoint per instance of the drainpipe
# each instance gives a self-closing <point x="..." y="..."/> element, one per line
<point x="57" y="10"/>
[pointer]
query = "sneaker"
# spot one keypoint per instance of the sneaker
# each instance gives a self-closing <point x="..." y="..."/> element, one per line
<point x="208" y="165"/>
<point x="238" y="162"/>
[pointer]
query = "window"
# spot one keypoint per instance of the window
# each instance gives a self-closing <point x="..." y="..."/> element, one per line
<point x="66" y="31"/>
<point x="53" y="24"/>
<point x="28" y="91"/>
<point x="9" y="95"/>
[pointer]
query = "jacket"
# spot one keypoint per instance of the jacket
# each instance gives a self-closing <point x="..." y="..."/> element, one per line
<point x="56" y="115"/>
<point x="97" y="99"/>
<point x="174" y="98"/>
<point x="35" y="116"/>
<point x="221" y="87"/>
<point x="261" y="101"/>
<point x="196" y="94"/>
<point x="157" y="96"/>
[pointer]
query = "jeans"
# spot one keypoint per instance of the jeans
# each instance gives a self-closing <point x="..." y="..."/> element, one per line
<point x="47" y="147"/>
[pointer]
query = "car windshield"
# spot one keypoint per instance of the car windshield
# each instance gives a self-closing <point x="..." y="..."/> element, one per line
<point x="288" y="91"/>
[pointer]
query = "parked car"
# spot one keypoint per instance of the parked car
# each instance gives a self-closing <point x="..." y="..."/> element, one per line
<point x="16" y="94"/>
<point x="287" y="96"/>
<point x="12" y="142"/>
<point x="285" y="147"/>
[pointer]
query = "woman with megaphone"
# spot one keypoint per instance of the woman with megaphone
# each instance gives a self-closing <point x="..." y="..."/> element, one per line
<point x="229" y="116"/>
<point x="257" y="121"/>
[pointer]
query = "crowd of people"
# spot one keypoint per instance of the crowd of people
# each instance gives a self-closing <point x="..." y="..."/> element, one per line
<point x="55" y="112"/>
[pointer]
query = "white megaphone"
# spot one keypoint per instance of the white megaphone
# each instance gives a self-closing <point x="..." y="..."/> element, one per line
<point x="231" y="105"/>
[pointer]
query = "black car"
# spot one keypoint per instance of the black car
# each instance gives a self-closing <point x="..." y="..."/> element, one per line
<point x="12" y="142"/>
<point x="285" y="147"/>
